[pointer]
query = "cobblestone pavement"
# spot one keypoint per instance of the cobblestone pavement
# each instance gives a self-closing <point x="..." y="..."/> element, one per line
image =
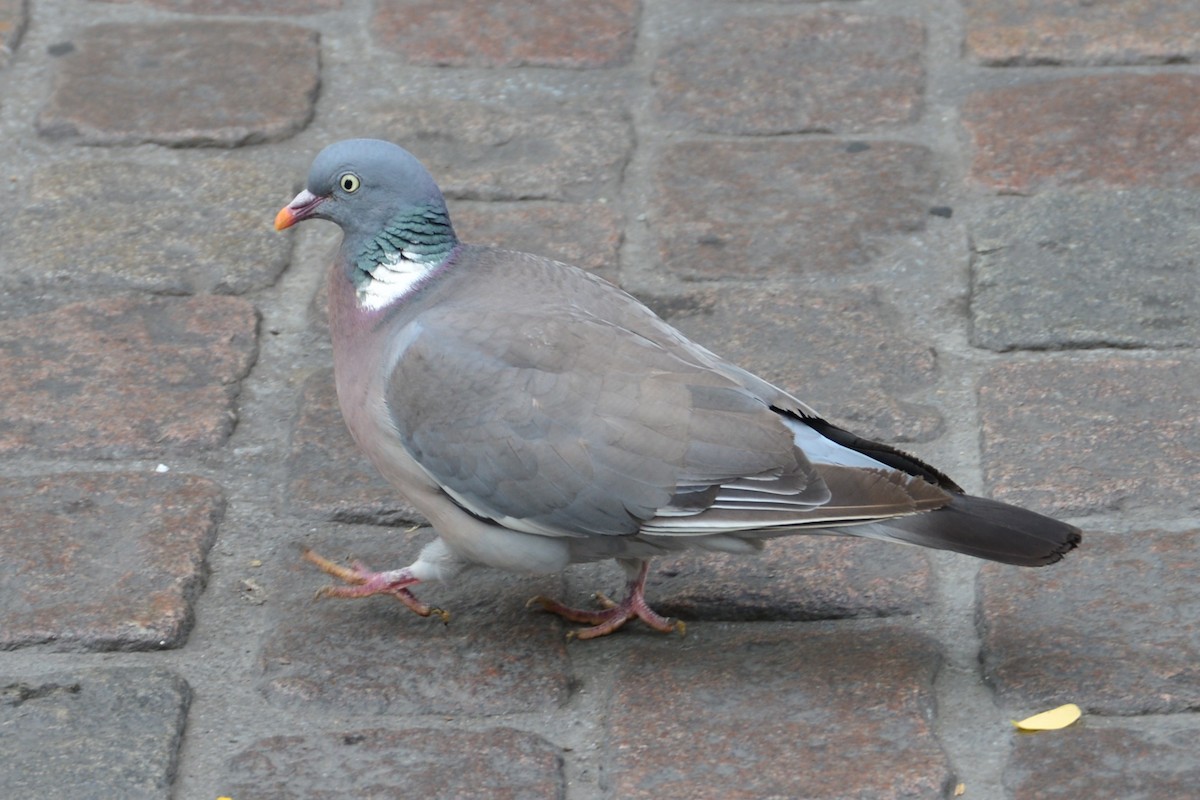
<point x="967" y="227"/>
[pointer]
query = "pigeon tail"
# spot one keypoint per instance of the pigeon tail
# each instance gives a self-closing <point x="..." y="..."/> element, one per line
<point x="988" y="529"/>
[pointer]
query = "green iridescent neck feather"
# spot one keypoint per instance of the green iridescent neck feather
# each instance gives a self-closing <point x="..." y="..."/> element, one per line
<point x="420" y="236"/>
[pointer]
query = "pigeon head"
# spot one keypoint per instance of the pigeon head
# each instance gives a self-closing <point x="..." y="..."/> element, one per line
<point x="362" y="185"/>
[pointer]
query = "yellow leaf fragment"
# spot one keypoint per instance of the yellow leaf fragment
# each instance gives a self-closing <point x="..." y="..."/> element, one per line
<point x="960" y="790"/>
<point x="1052" y="720"/>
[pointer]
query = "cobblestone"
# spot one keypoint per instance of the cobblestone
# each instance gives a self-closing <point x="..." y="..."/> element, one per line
<point x="184" y="83"/>
<point x="743" y="690"/>
<point x="1054" y="272"/>
<point x="1061" y="32"/>
<point x="1092" y="436"/>
<point x="413" y="763"/>
<point x="92" y="733"/>
<point x="110" y="561"/>
<point x="1116" y="763"/>
<point x="124" y="377"/>
<point x="1112" y="132"/>
<point x="1108" y="650"/>
<point x="210" y="238"/>
<point x="830" y="206"/>
<point x="509" y="33"/>
<point x="793" y="73"/>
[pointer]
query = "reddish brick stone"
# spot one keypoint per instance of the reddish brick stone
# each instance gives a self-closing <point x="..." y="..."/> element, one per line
<point x="508" y="33"/>
<point x="14" y="16"/>
<point x="92" y="733"/>
<point x="1073" y="436"/>
<point x="724" y="715"/>
<point x="327" y="474"/>
<point x="822" y="71"/>
<point x="798" y="578"/>
<point x="108" y="561"/>
<point x="122" y="377"/>
<point x="1004" y="32"/>
<point x="280" y="8"/>
<point x="184" y="83"/>
<point x="203" y="230"/>
<point x="374" y="656"/>
<point x="500" y="762"/>
<point x="1105" y="764"/>
<point x="803" y="342"/>
<point x="1107" y="131"/>
<point x="769" y="209"/>
<point x="1115" y="627"/>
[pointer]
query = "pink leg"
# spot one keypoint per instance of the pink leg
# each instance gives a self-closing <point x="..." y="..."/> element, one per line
<point x="613" y="615"/>
<point x="363" y="583"/>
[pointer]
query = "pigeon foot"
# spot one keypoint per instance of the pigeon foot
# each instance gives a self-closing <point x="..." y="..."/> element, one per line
<point x="364" y="582"/>
<point x="613" y="615"/>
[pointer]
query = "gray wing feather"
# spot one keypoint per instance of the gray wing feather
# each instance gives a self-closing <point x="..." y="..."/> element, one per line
<point x="582" y="413"/>
<point x="508" y="412"/>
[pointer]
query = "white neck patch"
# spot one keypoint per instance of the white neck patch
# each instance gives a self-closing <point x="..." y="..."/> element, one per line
<point x="392" y="279"/>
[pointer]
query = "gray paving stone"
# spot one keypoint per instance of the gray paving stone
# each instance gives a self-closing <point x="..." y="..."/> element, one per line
<point x="184" y="83"/>
<point x="824" y="71"/>
<point x="527" y="148"/>
<point x="1095" y="269"/>
<point x="497" y="763"/>
<point x="123" y="377"/>
<point x="374" y="656"/>
<point x="508" y="33"/>
<point x="588" y="235"/>
<point x="803" y="341"/>
<point x="104" y="561"/>
<point x="92" y="733"/>
<point x="826" y="712"/>
<point x="1077" y="436"/>
<point x="14" y="17"/>
<point x="1113" y="627"/>
<point x="1098" y="131"/>
<point x="1004" y="33"/>
<point x="184" y="229"/>
<point x="328" y="476"/>
<point x="770" y="209"/>
<point x="797" y="578"/>
<point x="1109" y="764"/>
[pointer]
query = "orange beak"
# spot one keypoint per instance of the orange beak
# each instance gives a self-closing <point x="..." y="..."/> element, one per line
<point x="302" y="207"/>
<point x="284" y="219"/>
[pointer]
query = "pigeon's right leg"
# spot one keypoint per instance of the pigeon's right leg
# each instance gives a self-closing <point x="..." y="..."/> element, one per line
<point x="363" y="582"/>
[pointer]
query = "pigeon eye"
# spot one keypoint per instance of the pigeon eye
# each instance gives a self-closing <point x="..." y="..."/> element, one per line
<point x="349" y="182"/>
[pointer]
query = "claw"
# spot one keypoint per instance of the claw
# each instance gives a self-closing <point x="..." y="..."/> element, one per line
<point x="612" y="615"/>
<point x="363" y="582"/>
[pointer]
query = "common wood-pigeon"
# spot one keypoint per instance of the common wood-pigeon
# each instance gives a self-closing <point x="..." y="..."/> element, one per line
<point x="538" y="416"/>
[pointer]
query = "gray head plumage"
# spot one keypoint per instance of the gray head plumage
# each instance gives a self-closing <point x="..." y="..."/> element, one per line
<point x="362" y="185"/>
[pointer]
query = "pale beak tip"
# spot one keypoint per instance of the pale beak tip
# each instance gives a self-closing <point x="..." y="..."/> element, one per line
<point x="284" y="219"/>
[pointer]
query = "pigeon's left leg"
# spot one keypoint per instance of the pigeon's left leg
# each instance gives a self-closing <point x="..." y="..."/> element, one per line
<point x="614" y="615"/>
<point x="364" y="582"/>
